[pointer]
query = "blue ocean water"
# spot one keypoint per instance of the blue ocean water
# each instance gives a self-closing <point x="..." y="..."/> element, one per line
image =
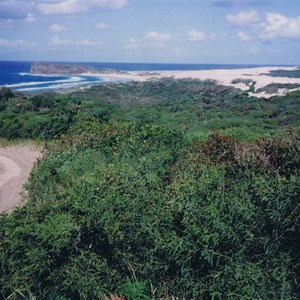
<point x="15" y="74"/>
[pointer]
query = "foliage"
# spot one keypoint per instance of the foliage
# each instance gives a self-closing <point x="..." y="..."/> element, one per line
<point x="246" y="81"/>
<point x="274" y="87"/>
<point x="6" y="94"/>
<point x="196" y="107"/>
<point x="285" y="73"/>
<point x="130" y="200"/>
<point x="217" y="219"/>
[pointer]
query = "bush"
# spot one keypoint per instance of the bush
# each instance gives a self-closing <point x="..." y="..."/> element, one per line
<point x="136" y="211"/>
<point x="145" y="210"/>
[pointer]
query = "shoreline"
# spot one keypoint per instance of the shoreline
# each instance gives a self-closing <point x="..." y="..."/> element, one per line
<point x="257" y="81"/>
<point x="238" y="78"/>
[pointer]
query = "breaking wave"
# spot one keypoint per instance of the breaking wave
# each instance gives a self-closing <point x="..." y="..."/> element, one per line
<point x="52" y="83"/>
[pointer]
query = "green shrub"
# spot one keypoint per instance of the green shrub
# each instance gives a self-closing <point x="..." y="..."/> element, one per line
<point x="144" y="209"/>
<point x="135" y="210"/>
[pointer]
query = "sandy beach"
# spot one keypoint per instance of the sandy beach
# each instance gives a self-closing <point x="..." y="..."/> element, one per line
<point x="222" y="76"/>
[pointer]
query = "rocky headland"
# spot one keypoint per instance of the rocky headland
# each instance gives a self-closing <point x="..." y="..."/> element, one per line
<point x="65" y="69"/>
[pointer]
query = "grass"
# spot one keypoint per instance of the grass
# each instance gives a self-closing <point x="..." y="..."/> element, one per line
<point x="24" y="142"/>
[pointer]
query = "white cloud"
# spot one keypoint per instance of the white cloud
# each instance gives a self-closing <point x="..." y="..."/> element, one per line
<point x="29" y="18"/>
<point x="16" y="43"/>
<point x="253" y="50"/>
<point x="218" y="36"/>
<point x="56" y="28"/>
<point x="7" y="23"/>
<point x="199" y="36"/>
<point x="232" y="3"/>
<point x="243" y="37"/>
<point x="23" y="9"/>
<point x="196" y="36"/>
<point x="62" y="7"/>
<point x="279" y="26"/>
<point x="131" y="45"/>
<point x="244" y="18"/>
<point x="108" y="4"/>
<point x="65" y="7"/>
<point x="152" y="39"/>
<point x="158" y="40"/>
<point x="56" y="41"/>
<point x="87" y="42"/>
<point x="15" y="9"/>
<point x="102" y="26"/>
<point x="156" y="36"/>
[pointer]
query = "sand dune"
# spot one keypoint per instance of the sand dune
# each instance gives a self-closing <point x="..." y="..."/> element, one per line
<point x="222" y="76"/>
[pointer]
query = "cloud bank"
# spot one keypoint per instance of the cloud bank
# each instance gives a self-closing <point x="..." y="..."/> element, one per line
<point x="15" y="9"/>
<point x="67" y="7"/>
<point x="5" y="43"/>
<point x="56" y="28"/>
<point x="56" y="41"/>
<point x="243" y="37"/>
<point x="196" y="36"/>
<point x="273" y="26"/>
<point x="244" y="18"/>
<point x="157" y="39"/>
<point x="279" y="26"/>
<point x="20" y="9"/>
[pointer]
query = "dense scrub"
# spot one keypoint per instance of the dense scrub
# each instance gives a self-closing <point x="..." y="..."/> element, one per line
<point x="214" y="219"/>
<point x="146" y="210"/>
<point x="196" y="107"/>
<point x="285" y="73"/>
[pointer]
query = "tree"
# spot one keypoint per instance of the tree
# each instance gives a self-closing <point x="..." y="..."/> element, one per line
<point x="6" y="93"/>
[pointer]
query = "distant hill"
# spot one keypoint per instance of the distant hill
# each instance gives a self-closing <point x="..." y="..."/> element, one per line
<point x="65" y="69"/>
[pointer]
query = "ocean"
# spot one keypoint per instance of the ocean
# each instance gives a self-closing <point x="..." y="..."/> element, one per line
<point x="16" y="76"/>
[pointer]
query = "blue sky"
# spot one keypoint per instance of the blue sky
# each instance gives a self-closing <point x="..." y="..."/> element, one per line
<point x="149" y="31"/>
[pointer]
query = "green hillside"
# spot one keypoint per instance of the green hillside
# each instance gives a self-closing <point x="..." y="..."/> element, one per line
<point x="174" y="189"/>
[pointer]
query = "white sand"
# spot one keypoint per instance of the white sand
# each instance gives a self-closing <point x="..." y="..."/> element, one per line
<point x="224" y="77"/>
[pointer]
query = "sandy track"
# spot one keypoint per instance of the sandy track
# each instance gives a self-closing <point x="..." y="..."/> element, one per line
<point x="16" y="163"/>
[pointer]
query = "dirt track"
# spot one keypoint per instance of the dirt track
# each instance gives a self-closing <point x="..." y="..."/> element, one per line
<point x="16" y="163"/>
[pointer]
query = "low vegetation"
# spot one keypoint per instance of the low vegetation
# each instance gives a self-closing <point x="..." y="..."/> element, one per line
<point x="246" y="81"/>
<point x="176" y="189"/>
<point x="196" y="107"/>
<point x="285" y="73"/>
<point x="275" y="87"/>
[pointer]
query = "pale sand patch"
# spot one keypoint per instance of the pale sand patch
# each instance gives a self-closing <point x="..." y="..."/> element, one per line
<point x="16" y="163"/>
<point x="221" y="76"/>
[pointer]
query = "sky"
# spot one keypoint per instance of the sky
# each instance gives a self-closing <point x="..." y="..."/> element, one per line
<point x="151" y="31"/>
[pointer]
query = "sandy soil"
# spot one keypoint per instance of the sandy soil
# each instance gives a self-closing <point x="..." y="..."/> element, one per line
<point x="224" y="77"/>
<point x="16" y="163"/>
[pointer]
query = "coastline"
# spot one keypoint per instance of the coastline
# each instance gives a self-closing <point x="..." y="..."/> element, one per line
<point x="238" y="78"/>
<point x="257" y="81"/>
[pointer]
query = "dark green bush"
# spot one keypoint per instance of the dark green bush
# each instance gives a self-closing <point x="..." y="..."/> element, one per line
<point x="152" y="205"/>
<point x="135" y="210"/>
